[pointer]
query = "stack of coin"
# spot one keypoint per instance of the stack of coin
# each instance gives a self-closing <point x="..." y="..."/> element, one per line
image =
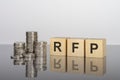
<point x="41" y="49"/>
<point x="41" y="56"/>
<point x="19" y="51"/>
<point x="33" y="54"/>
<point x="31" y="39"/>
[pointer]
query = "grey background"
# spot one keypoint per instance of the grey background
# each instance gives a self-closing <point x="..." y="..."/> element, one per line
<point x="51" y="18"/>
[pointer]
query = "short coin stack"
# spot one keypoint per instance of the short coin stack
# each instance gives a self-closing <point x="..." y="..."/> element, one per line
<point x="19" y="51"/>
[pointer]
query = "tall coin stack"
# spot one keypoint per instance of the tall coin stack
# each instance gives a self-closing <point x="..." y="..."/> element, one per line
<point x="31" y="39"/>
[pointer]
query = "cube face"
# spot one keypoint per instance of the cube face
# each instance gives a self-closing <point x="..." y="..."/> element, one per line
<point x="58" y="46"/>
<point x="95" y="66"/>
<point x="75" y="65"/>
<point x="75" y="47"/>
<point x="95" y="48"/>
<point x="58" y="63"/>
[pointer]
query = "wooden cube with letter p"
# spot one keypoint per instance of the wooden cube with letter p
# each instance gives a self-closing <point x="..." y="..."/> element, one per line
<point x="95" y="48"/>
<point x="75" y="47"/>
<point x="58" y="46"/>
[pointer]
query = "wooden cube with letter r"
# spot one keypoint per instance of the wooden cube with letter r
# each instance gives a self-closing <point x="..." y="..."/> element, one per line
<point x="58" y="46"/>
<point x="95" y="48"/>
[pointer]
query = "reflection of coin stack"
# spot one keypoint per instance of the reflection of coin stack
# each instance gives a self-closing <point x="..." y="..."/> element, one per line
<point x="19" y="51"/>
<point x="31" y="38"/>
<point x="31" y="70"/>
<point x="41" y="59"/>
<point x="19" y="61"/>
<point x="41" y="63"/>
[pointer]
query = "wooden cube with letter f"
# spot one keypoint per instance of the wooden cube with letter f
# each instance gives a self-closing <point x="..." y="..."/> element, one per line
<point x="58" y="46"/>
<point x="75" y="47"/>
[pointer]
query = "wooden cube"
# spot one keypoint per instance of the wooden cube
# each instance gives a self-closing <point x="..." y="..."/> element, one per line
<point x="95" y="66"/>
<point x="58" y="63"/>
<point x="58" y="46"/>
<point x="75" y="47"/>
<point x="95" y="48"/>
<point x="75" y="65"/>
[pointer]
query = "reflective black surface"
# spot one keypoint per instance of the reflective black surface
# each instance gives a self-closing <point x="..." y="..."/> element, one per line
<point x="61" y="68"/>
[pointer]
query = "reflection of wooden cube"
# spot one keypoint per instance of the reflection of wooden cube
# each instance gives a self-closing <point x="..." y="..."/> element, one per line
<point x="75" y="65"/>
<point x="95" y="66"/>
<point x="75" y="47"/>
<point x="58" y="46"/>
<point x="95" y="47"/>
<point x="58" y="63"/>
